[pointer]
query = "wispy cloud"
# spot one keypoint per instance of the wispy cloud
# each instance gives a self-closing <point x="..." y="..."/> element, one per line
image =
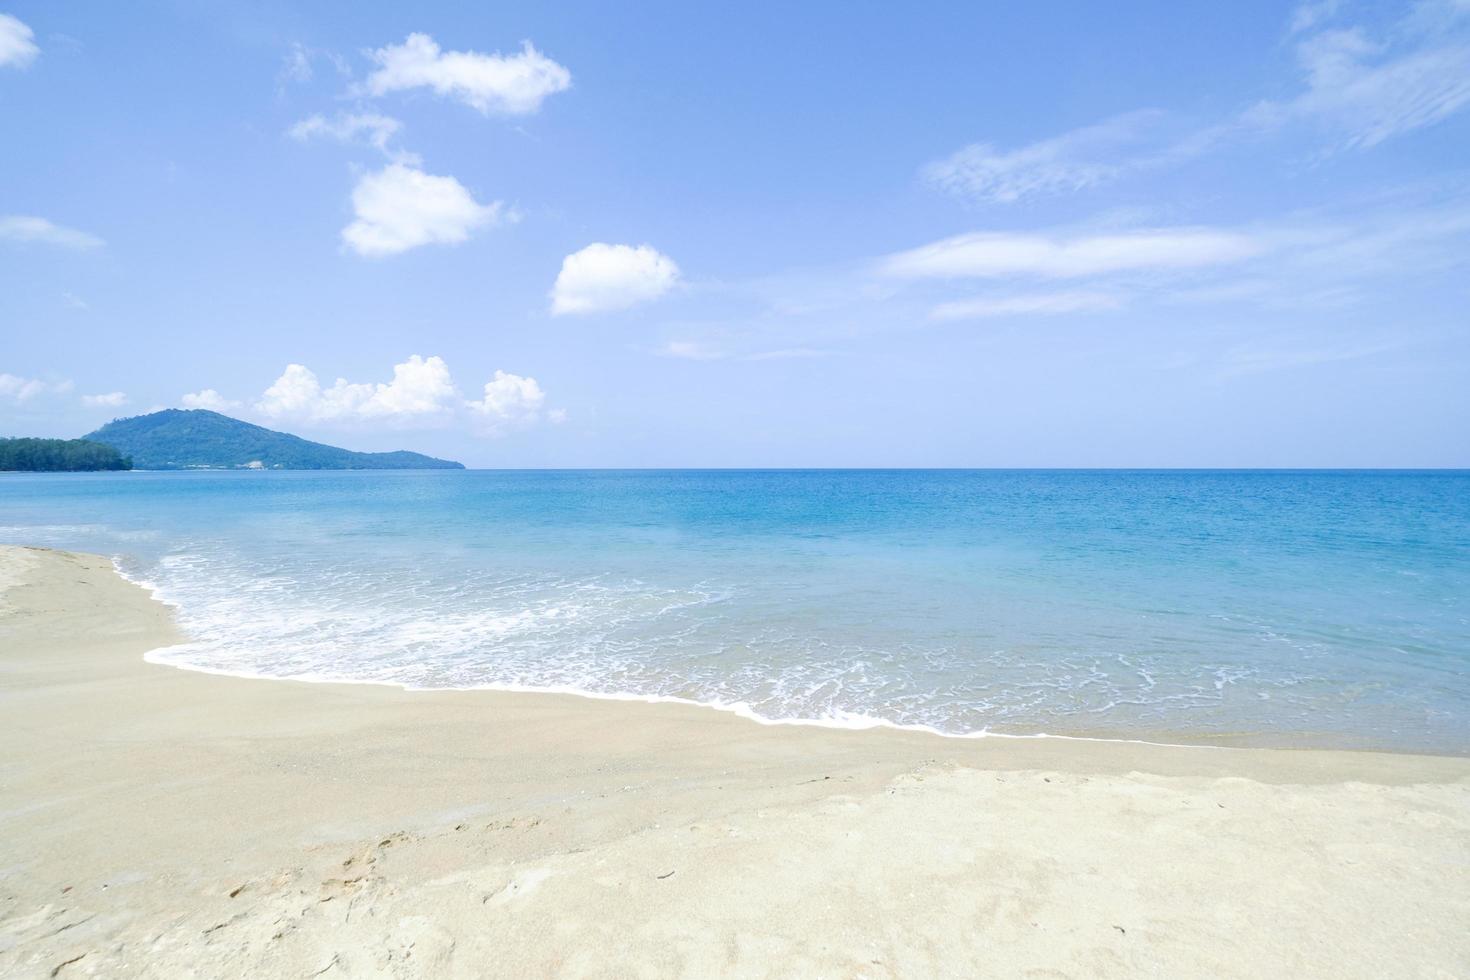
<point x="1074" y="161"/>
<point x="1255" y="359"/>
<point x="18" y="390"/>
<point x="1025" y="304"/>
<point x="28" y="229"/>
<point x="981" y="255"/>
<point x="1356" y="90"/>
<point x="373" y="128"/>
<point x="698" y="350"/>
<point x="1367" y="90"/>
<point x="112" y="399"/>
<point x="1309" y="15"/>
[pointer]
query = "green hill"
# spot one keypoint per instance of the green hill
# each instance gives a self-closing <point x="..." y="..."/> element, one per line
<point x="59" y="456"/>
<point x="181" y="439"/>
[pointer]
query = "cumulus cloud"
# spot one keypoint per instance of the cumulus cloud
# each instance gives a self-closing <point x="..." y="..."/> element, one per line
<point x="1031" y="304"/>
<point x="422" y="394"/>
<point x="373" y="128"/>
<point x="399" y="208"/>
<point x="1004" y="254"/>
<point x="604" y="277"/>
<point x="17" y="43"/>
<point x="510" y="398"/>
<point x="113" y="399"/>
<point x="27" y="229"/>
<point x="208" y="399"/>
<point x="514" y="84"/>
<point x="420" y="387"/>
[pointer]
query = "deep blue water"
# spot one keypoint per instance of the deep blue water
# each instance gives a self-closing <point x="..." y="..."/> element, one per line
<point x="1323" y="608"/>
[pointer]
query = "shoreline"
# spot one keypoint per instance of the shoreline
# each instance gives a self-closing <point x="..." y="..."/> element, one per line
<point x="165" y="820"/>
<point x="862" y="723"/>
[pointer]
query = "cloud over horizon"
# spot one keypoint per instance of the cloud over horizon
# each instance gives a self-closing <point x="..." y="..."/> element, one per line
<point x="208" y="399"/>
<point x="422" y="394"/>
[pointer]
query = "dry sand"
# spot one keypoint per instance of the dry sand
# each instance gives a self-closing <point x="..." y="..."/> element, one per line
<point x="163" y="823"/>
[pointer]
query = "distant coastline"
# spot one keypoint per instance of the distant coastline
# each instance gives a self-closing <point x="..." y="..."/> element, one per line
<point x="198" y="439"/>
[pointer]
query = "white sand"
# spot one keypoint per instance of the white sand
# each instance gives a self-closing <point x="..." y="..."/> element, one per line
<point x="158" y="822"/>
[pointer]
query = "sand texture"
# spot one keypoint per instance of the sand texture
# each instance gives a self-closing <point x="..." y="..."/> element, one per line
<point x="156" y="822"/>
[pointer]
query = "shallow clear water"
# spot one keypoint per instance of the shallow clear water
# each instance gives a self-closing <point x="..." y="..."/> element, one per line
<point x="1289" y="607"/>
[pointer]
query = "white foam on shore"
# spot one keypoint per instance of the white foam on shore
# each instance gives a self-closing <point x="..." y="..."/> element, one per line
<point x="176" y="656"/>
<point x="169" y="656"/>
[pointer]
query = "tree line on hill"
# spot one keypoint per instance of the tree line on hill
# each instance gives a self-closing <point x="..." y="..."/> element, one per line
<point x="60" y="456"/>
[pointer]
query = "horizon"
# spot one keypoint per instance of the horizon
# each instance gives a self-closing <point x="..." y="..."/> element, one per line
<point x="826" y="238"/>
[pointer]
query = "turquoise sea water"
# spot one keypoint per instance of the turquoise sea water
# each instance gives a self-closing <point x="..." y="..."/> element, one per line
<point x="1293" y="608"/>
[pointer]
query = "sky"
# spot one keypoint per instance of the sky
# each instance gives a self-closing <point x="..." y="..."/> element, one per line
<point x="759" y="234"/>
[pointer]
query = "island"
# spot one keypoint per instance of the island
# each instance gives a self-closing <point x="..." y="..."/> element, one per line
<point x="194" y="439"/>
<point x="60" y="456"/>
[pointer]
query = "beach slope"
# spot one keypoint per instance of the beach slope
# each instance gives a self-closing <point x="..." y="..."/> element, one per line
<point x="164" y="823"/>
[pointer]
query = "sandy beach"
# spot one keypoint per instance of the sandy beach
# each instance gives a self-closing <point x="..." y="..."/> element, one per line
<point x="164" y="823"/>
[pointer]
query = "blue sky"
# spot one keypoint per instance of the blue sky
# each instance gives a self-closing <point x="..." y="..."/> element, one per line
<point x="768" y="235"/>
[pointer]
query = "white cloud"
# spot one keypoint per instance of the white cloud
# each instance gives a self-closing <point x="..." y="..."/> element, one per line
<point x="1309" y="15"/>
<point x="208" y="399"/>
<point x="1073" y="161"/>
<point x="376" y="129"/>
<point x="1361" y="90"/>
<point x="112" y="399"/>
<point x="510" y="398"/>
<point x="422" y="393"/>
<point x="787" y="354"/>
<point x="296" y="66"/>
<point x="691" y="350"/>
<point x="399" y="208"/>
<point x="17" y="43"/>
<point x="1031" y="304"/>
<point x="611" y="277"/>
<point x="16" y="388"/>
<point x="1006" y="254"/>
<point x="694" y="350"/>
<point x="514" y="84"/>
<point x="420" y="387"/>
<point x="1371" y="91"/>
<point x="27" y="228"/>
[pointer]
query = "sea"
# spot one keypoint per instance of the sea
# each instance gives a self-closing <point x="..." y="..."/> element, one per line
<point x="1277" y="608"/>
